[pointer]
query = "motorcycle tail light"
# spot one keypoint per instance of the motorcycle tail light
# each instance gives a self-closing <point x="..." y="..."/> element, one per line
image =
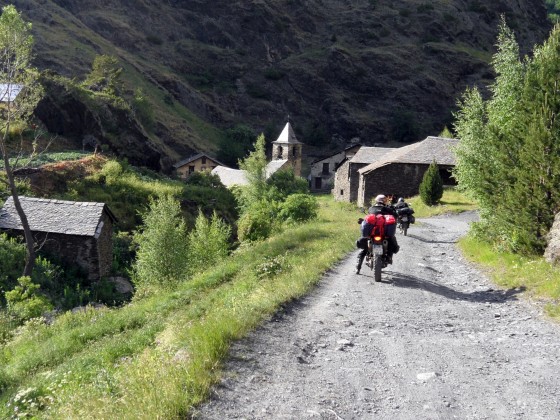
<point x="377" y="238"/>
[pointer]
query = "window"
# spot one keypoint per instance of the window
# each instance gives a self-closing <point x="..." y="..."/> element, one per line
<point x="279" y="155"/>
<point x="191" y="169"/>
<point x="341" y="192"/>
<point x="325" y="168"/>
<point x="294" y="151"/>
<point x="203" y="160"/>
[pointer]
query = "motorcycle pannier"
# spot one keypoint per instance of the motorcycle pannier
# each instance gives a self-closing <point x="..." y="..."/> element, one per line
<point x="390" y="225"/>
<point x="378" y="222"/>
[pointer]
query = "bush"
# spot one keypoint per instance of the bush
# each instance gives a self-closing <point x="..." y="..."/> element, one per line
<point x="12" y="257"/>
<point x="285" y="183"/>
<point x="25" y="302"/>
<point x="161" y="259"/>
<point x="431" y="187"/>
<point x="299" y="208"/>
<point x="208" y="242"/>
<point x="257" y="222"/>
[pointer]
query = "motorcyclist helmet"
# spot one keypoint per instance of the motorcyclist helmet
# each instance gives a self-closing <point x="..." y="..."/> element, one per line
<point x="401" y="200"/>
<point x="380" y="199"/>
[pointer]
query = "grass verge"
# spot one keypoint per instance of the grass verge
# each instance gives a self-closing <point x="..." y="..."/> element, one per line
<point x="452" y="201"/>
<point x="157" y="357"/>
<point x="540" y="279"/>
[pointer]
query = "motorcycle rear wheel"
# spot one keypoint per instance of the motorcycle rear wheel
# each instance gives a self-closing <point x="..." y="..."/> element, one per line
<point x="376" y="267"/>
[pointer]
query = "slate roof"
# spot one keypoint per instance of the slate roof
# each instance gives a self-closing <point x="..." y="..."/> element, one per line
<point x="230" y="177"/>
<point x="55" y="216"/>
<point x="193" y="158"/>
<point x="9" y="92"/>
<point x="422" y="152"/>
<point x="273" y="166"/>
<point x="370" y="154"/>
<point x="287" y="136"/>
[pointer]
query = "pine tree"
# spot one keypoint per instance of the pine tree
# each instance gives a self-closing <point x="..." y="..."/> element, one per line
<point x="431" y="187"/>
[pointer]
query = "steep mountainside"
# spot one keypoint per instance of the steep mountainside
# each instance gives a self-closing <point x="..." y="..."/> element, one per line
<point x="376" y="70"/>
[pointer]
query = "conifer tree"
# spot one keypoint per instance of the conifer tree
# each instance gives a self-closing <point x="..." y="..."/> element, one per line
<point x="431" y="187"/>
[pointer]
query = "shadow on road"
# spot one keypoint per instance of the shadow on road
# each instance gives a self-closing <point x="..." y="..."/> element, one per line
<point x="489" y="295"/>
<point x="430" y="241"/>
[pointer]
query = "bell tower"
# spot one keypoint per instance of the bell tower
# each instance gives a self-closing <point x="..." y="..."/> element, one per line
<point x="287" y="147"/>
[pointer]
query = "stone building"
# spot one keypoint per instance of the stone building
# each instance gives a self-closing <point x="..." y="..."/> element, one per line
<point x="286" y="154"/>
<point x="401" y="171"/>
<point x="346" y="179"/>
<point x="78" y="233"/>
<point x="322" y="173"/>
<point x="196" y="163"/>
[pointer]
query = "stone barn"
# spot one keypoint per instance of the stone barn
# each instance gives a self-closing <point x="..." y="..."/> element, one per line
<point x="76" y="232"/>
<point x="400" y="172"/>
<point x="347" y="178"/>
<point x="322" y="173"/>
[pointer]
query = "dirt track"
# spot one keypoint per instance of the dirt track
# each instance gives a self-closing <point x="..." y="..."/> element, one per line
<point x="434" y="340"/>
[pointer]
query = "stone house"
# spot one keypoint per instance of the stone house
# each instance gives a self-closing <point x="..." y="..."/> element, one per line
<point x="78" y="233"/>
<point x="400" y="172"/>
<point x="196" y="163"/>
<point x="286" y="154"/>
<point x="322" y="171"/>
<point x="346" y="179"/>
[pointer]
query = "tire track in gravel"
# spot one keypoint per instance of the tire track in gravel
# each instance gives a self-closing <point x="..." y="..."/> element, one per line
<point x="434" y="340"/>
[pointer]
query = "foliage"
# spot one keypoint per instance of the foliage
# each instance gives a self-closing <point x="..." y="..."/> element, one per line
<point x="255" y="167"/>
<point x="553" y="9"/>
<point x="12" y="254"/>
<point x="431" y="187"/>
<point x="257" y="222"/>
<point x="105" y="75"/>
<point x="446" y="133"/>
<point x="298" y="208"/>
<point x="143" y="108"/>
<point x="508" y="157"/>
<point x="162" y="255"/>
<point x="208" y="242"/>
<point x="157" y="357"/>
<point x="283" y="183"/>
<point x="236" y="143"/>
<point x="404" y="127"/>
<point x="25" y="301"/>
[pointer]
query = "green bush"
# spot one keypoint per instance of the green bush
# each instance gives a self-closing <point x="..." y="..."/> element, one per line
<point x="299" y="208"/>
<point x="162" y="257"/>
<point x="257" y="222"/>
<point x="284" y="183"/>
<point x="208" y="242"/>
<point x="12" y="257"/>
<point x="431" y="187"/>
<point x="25" y="302"/>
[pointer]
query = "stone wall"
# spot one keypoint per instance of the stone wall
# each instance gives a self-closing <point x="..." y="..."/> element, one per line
<point x="341" y="190"/>
<point x="105" y="247"/>
<point x="399" y="179"/>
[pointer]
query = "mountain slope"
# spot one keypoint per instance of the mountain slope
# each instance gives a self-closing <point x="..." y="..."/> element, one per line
<point x="377" y="70"/>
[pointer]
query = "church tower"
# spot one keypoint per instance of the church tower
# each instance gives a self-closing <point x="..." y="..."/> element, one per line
<point x="288" y="148"/>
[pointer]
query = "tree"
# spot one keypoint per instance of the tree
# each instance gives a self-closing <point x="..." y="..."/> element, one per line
<point x="255" y="167"/>
<point x="431" y="187"/>
<point x="162" y="256"/>
<point x="509" y="152"/>
<point x="105" y="75"/>
<point x="20" y="94"/>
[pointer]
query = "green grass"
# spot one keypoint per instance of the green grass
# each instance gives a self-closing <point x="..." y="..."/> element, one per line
<point x="540" y="279"/>
<point x="157" y="357"/>
<point x="45" y="158"/>
<point x="452" y="201"/>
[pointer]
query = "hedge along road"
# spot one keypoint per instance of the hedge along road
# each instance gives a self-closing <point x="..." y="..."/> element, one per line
<point x="433" y="340"/>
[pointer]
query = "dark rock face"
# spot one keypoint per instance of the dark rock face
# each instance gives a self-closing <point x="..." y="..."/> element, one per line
<point x="378" y="70"/>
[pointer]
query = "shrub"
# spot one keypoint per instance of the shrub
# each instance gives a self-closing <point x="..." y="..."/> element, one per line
<point x="257" y="222"/>
<point x="208" y="242"/>
<point x="161" y="259"/>
<point x="286" y="183"/>
<point x="25" y="302"/>
<point x="299" y="208"/>
<point x="12" y="257"/>
<point x="431" y="187"/>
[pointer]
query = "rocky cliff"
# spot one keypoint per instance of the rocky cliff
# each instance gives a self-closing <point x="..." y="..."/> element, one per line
<point x="343" y="70"/>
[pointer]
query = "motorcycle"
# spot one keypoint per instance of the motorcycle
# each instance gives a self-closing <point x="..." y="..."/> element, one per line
<point x="404" y="218"/>
<point x="377" y="256"/>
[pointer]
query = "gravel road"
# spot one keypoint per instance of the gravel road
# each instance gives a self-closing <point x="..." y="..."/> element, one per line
<point x="434" y="340"/>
